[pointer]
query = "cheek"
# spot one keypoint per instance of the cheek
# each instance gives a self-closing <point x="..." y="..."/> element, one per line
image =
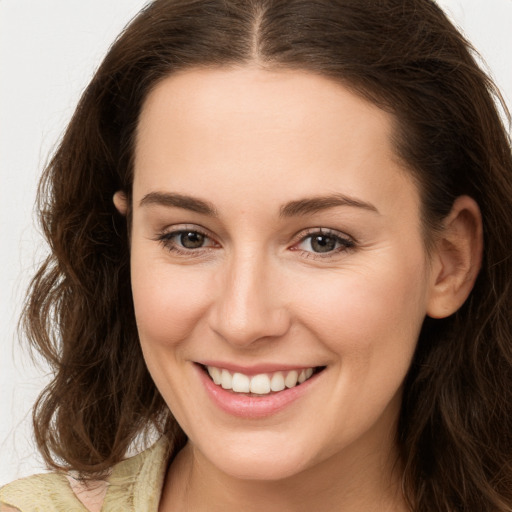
<point x="370" y="322"/>
<point x="373" y="313"/>
<point x="168" y="302"/>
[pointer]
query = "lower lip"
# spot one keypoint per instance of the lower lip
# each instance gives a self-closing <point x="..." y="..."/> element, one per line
<point x="251" y="407"/>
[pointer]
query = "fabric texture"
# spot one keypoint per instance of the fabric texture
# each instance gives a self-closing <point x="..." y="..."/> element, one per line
<point x="134" y="485"/>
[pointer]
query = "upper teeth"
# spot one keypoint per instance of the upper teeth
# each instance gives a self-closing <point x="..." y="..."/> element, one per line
<point x="262" y="383"/>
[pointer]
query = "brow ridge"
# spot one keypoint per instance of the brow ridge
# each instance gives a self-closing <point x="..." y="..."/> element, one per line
<point x="170" y="199"/>
<point x="300" y="207"/>
<point x="315" y="204"/>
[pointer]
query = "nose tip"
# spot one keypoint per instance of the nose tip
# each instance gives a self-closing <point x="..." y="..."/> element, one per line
<point x="245" y="330"/>
<point x="249" y="308"/>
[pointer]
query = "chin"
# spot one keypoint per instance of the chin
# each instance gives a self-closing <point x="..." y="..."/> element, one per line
<point x="270" y="462"/>
<point x="253" y="468"/>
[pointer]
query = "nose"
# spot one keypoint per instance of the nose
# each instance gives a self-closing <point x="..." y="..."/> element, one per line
<point x="250" y="306"/>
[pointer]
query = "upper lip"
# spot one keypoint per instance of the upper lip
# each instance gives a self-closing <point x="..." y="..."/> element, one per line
<point x="255" y="369"/>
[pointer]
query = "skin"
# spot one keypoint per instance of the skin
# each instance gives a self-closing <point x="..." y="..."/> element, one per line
<point x="249" y="141"/>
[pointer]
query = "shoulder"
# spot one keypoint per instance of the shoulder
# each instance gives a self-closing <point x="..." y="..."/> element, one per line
<point x="8" y="508"/>
<point x="50" y="492"/>
<point x="134" y="484"/>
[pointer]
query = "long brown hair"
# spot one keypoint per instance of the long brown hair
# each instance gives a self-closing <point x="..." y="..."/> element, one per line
<point x="455" y="428"/>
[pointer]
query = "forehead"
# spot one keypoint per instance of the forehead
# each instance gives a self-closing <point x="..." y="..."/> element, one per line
<point x="283" y="103"/>
<point x="271" y="132"/>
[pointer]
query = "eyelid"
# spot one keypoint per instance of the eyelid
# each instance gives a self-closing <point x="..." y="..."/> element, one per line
<point x="165" y="235"/>
<point x="348" y="242"/>
<point x="324" y="231"/>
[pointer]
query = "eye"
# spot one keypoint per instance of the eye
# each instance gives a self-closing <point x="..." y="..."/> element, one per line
<point x="190" y="239"/>
<point x="185" y="241"/>
<point x="324" y="242"/>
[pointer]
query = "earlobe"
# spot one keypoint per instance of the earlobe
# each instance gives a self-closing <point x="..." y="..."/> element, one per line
<point x="120" y="202"/>
<point x="457" y="258"/>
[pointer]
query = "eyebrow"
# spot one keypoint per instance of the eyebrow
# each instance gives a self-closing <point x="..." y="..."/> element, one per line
<point x="296" y="208"/>
<point x="311" y="205"/>
<point x="179" y="201"/>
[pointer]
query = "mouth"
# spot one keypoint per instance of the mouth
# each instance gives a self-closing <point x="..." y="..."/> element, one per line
<point x="261" y="384"/>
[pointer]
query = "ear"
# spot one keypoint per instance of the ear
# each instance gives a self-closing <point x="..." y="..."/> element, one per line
<point x="457" y="258"/>
<point x="120" y="202"/>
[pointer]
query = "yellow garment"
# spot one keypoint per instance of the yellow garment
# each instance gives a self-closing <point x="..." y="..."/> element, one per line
<point x="135" y="485"/>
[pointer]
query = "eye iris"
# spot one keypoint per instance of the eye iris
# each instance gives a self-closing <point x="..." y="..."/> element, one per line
<point x="191" y="240"/>
<point x="322" y="243"/>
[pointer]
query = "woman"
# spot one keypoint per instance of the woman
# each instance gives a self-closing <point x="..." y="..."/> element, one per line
<point x="267" y="222"/>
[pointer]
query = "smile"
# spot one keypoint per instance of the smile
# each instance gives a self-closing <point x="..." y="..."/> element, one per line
<point x="260" y="384"/>
<point x="258" y="392"/>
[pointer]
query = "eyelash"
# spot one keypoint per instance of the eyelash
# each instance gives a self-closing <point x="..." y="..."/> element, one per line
<point x="166" y="239"/>
<point x="343" y="242"/>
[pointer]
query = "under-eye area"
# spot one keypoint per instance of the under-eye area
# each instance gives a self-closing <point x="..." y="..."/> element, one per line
<point x="260" y="384"/>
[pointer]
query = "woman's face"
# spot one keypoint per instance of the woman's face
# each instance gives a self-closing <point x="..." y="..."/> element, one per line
<point x="275" y="230"/>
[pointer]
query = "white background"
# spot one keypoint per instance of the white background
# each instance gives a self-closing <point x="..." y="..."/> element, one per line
<point x="48" y="52"/>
